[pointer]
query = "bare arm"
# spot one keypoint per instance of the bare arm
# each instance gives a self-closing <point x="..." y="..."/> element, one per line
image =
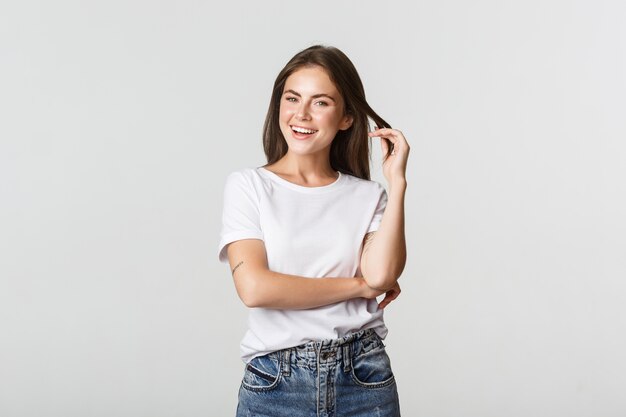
<point x="384" y="252"/>
<point x="257" y="286"/>
<point x="384" y="258"/>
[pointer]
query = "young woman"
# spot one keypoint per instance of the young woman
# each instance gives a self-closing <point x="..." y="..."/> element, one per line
<point x="311" y="243"/>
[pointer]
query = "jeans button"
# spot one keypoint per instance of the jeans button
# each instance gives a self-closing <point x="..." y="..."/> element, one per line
<point x="327" y="354"/>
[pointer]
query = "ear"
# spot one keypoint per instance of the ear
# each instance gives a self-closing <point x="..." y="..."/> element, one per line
<point x="346" y="122"/>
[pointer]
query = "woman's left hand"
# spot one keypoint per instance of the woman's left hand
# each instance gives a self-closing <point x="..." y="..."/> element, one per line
<point x="394" y="167"/>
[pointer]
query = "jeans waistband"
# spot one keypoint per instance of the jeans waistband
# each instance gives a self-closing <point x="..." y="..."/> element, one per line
<point x="321" y="352"/>
<point x="327" y="344"/>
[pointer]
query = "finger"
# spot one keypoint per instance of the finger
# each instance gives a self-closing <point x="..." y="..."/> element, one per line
<point x="391" y="295"/>
<point x="384" y="146"/>
<point x="383" y="304"/>
<point x="395" y="294"/>
<point x="382" y="132"/>
<point x="395" y="141"/>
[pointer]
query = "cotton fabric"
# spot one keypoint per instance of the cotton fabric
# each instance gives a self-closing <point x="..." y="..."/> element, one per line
<point x="307" y="231"/>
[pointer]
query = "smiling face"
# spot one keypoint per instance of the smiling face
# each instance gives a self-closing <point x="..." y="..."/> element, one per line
<point x="311" y="104"/>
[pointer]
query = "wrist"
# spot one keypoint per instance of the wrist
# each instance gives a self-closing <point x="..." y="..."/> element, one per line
<point x="398" y="184"/>
<point x="361" y="286"/>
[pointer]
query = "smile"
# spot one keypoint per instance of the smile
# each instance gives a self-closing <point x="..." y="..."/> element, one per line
<point x="302" y="130"/>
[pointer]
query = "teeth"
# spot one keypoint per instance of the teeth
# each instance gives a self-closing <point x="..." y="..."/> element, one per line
<point x="301" y="130"/>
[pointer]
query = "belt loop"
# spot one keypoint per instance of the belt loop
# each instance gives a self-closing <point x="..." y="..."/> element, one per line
<point x="346" y="356"/>
<point x="286" y="362"/>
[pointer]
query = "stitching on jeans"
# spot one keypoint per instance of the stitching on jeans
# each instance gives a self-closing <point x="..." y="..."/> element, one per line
<point x="379" y="384"/>
<point x="263" y="375"/>
<point x="286" y="358"/>
<point x="270" y="387"/>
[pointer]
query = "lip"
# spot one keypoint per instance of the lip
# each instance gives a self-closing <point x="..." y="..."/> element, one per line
<point x="301" y="136"/>
<point x="303" y="127"/>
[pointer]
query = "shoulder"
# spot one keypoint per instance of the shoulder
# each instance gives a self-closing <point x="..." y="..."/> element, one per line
<point x="243" y="175"/>
<point x="243" y="179"/>
<point x="368" y="186"/>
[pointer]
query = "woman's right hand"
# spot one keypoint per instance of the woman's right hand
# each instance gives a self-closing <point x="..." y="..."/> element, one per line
<point x="369" y="293"/>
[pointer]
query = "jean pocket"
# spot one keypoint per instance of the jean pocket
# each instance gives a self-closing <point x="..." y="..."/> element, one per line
<point x="262" y="373"/>
<point x="372" y="369"/>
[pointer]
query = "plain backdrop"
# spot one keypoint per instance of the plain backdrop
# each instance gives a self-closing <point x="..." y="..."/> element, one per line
<point x="120" y="120"/>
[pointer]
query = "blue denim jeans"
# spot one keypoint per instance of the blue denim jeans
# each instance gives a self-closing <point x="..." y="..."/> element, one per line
<point x="349" y="376"/>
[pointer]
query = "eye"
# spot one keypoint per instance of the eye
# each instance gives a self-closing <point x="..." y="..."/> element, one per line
<point x="290" y="98"/>
<point x="323" y="102"/>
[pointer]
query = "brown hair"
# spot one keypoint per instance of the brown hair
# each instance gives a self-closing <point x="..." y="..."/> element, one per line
<point x="350" y="149"/>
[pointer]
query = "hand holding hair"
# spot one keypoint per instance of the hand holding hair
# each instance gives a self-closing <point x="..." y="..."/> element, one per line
<point x="394" y="164"/>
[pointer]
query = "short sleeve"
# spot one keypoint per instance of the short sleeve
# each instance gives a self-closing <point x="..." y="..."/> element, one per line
<point x="380" y="209"/>
<point x="240" y="213"/>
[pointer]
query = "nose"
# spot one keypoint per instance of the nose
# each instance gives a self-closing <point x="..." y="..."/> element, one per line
<point x="302" y="113"/>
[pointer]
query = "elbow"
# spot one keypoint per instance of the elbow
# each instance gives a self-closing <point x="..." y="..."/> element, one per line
<point x="247" y="300"/>
<point x="384" y="278"/>
<point x="247" y="291"/>
<point x="380" y="281"/>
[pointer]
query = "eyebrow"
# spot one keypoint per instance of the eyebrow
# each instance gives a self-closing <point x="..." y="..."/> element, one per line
<point x="314" y="95"/>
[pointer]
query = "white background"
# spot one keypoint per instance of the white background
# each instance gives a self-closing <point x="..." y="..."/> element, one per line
<point x="119" y="121"/>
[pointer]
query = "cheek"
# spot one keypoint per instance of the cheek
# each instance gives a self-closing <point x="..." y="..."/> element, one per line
<point x="285" y="108"/>
<point x="329" y="118"/>
<point x="285" y="115"/>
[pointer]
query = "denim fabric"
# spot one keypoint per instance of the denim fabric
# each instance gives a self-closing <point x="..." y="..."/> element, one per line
<point x="346" y="377"/>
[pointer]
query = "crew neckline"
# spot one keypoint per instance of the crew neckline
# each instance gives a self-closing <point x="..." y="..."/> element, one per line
<point x="302" y="188"/>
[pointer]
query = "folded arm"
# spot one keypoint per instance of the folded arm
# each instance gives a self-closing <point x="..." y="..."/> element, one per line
<point x="258" y="286"/>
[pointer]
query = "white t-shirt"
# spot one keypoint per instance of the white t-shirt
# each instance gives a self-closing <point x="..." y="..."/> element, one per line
<point x="307" y="231"/>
